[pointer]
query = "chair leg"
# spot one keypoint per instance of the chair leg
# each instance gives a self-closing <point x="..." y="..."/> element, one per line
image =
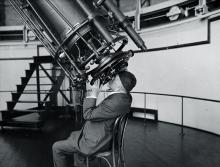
<point x="76" y="118"/>
<point x="2" y="128"/>
<point x="99" y="159"/>
<point x="119" y="160"/>
<point x="122" y="158"/>
<point x="106" y="160"/>
<point x="87" y="161"/>
<point x="113" y="159"/>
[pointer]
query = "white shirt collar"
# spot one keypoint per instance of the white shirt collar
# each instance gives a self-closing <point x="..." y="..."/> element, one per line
<point x="111" y="93"/>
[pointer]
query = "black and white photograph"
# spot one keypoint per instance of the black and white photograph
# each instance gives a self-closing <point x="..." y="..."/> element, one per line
<point x="109" y="83"/>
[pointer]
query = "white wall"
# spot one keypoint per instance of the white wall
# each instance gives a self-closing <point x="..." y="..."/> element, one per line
<point x="189" y="71"/>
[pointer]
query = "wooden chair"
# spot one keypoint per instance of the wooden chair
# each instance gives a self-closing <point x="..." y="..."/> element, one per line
<point x="117" y="145"/>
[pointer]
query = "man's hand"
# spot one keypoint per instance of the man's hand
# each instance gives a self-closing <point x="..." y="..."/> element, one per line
<point x="93" y="90"/>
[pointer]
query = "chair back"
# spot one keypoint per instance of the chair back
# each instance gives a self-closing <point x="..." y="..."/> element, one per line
<point x="118" y="138"/>
<point x="117" y="144"/>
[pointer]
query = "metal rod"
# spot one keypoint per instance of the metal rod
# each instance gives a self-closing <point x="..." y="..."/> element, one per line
<point x="71" y="91"/>
<point x="118" y="3"/>
<point x="54" y="82"/>
<point x="137" y="15"/>
<point x="173" y="95"/>
<point x="124" y="23"/>
<point x="182" y="133"/>
<point x="38" y="79"/>
<point x="89" y="46"/>
<point x="202" y="2"/>
<point x="145" y="108"/>
<point x="95" y="20"/>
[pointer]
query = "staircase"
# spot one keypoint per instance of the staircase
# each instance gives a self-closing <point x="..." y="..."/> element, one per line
<point x="38" y="93"/>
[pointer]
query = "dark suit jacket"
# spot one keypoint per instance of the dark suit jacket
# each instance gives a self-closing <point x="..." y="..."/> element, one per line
<point x="97" y="130"/>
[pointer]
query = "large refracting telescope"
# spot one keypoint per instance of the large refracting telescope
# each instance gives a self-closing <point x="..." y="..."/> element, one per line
<point x="82" y="35"/>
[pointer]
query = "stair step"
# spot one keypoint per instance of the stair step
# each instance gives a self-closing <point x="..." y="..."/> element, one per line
<point x="11" y="105"/>
<point x="32" y="66"/>
<point x="29" y="111"/>
<point x="44" y="59"/>
<point x="20" y="88"/>
<point x="29" y="92"/>
<point x="36" y="84"/>
<point x="40" y="77"/>
<point x="51" y="69"/>
<point x="34" y="90"/>
<point x="29" y="121"/>
<point x="24" y="80"/>
<point x="19" y="123"/>
<point x="29" y="73"/>
<point x="27" y="101"/>
<point x="15" y="96"/>
<point x="9" y="114"/>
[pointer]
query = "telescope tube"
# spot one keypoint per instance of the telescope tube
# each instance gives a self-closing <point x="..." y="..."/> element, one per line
<point x="124" y="23"/>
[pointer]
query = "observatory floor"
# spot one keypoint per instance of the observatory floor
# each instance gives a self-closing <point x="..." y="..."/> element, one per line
<point x="146" y="145"/>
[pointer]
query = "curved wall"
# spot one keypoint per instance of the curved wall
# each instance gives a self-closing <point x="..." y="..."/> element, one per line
<point x="190" y="68"/>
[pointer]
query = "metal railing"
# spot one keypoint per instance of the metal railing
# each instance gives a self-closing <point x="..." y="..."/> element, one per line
<point x="182" y="97"/>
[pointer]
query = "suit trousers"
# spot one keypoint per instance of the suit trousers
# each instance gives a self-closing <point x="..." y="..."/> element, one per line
<point x="63" y="153"/>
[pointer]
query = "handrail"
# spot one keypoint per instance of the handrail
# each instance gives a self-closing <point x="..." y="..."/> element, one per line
<point x="157" y="94"/>
<point x="182" y="103"/>
<point x="174" y="95"/>
<point x="149" y="93"/>
<point x="171" y="95"/>
<point x="13" y="91"/>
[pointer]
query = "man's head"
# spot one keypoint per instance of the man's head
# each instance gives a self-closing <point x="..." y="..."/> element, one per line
<point x="123" y="81"/>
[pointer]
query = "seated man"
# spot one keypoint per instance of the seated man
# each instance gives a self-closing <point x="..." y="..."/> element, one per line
<point x="96" y="133"/>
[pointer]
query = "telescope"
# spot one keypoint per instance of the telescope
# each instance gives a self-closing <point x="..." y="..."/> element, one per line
<point x="83" y="36"/>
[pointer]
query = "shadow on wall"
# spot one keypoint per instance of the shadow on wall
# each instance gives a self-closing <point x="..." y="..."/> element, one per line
<point x="8" y="15"/>
<point x="127" y="6"/>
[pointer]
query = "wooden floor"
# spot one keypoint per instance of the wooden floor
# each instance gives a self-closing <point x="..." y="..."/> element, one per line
<point x="150" y="145"/>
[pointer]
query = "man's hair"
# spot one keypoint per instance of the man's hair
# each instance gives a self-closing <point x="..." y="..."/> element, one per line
<point x="128" y="80"/>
